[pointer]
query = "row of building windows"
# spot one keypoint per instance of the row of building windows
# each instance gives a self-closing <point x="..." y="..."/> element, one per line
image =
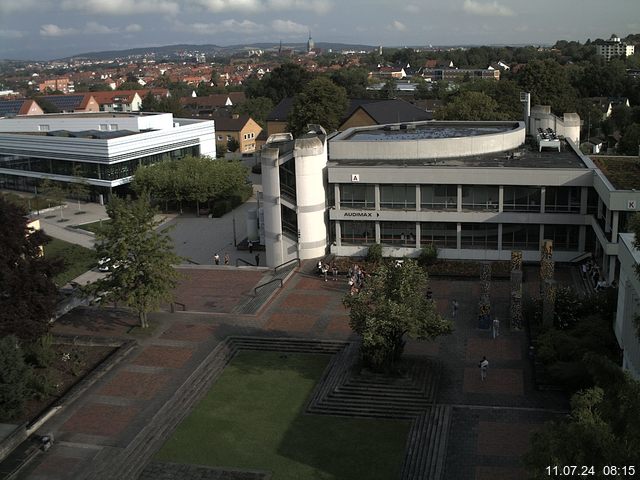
<point x="99" y="171"/>
<point x="476" y="236"/>
<point x="474" y="197"/>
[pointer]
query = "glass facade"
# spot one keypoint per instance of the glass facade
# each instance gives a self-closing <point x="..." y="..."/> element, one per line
<point x="443" y="235"/>
<point x="357" y="196"/>
<point x="565" y="237"/>
<point x="398" y="197"/>
<point x="562" y="200"/>
<point x="480" y="197"/>
<point x="521" y="199"/>
<point x="288" y="179"/>
<point x="357" y="233"/>
<point x="398" y="233"/>
<point x="289" y="222"/>
<point x="439" y="197"/>
<point x="479" y="236"/>
<point x="98" y="171"/>
<point x="517" y="236"/>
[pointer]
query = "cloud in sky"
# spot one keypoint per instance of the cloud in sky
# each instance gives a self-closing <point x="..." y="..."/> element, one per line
<point x="287" y="26"/>
<point x="51" y="30"/>
<point x="12" y="6"/>
<point x="410" y="8"/>
<point x="94" y="28"/>
<point x="398" y="25"/>
<point x="259" y="7"/>
<point x="231" y="25"/>
<point x="122" y="7"/>
<point x="11" y="33"/>
<point x="490" y="9"/>
<point x="134" y="27"/>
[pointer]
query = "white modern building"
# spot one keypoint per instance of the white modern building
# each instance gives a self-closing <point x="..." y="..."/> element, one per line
<point x="105" y="148"/>
<point x="477" y="190"/>
<point x="628" y="305"/>
<point x="614" y="48"/>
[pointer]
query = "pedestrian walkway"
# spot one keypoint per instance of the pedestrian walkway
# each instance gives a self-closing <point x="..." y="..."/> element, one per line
<point x="488" y="422"/>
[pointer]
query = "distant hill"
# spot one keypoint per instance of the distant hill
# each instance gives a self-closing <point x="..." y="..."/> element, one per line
<point x="208" y="49"/>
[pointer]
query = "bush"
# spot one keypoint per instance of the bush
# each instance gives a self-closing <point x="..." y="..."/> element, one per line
<point x="428" y="255"/>
<point x="40" y="353"/>
<point x="374" y="254"/>
<point x="14" y="374"/>
<point x="40" y="385"/>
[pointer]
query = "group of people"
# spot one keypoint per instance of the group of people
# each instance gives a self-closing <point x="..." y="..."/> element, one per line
<point x="216" y="258"/>
<point x="356" y="278"/>
<point x="590" y="270"/>
<point x="324" y="269"/>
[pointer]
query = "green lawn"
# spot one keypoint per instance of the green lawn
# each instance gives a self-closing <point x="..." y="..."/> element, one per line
<point x="253" y="418"/>
<point x="94" y="226"/>
<point x="77" y="259"/>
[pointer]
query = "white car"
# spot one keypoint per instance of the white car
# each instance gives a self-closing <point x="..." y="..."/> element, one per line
<point x="103" y="265"/>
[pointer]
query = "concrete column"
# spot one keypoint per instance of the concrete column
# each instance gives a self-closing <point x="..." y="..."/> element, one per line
<point x="336" y="195"/>
<point x="378" y="232"/>
<point x="500" y="202"/>
<point x="615" y="221"/>
<point x="611" y="273"/>
<point x="543" y="193"/>
<point x="274" y="245"/>
<point x="418" y="198"/>
<point x="418" y="234"/>
<point x="459" y="199"/>
<point x="584" y="195"/>
<point x="607" y="221"/>
<point x="338" y="233"/>
<point x="500" y="227"/>
<point x="582" y="238"/>
<point x="377" y="196"/>
<point x="459" y="228"/>
<point x="600" y="205"/>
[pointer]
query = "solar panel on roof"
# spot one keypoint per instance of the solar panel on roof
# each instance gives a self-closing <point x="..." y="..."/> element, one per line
<point x="10" y="107"/>
<point x="65" y="102"/>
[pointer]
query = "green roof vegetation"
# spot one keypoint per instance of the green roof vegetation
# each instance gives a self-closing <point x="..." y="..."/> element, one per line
<point x="622" y="172"/>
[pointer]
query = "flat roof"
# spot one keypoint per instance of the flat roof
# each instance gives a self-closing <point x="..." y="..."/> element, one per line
<point x="622" y="172"/>
<point x="426" y="131"/>
<point x="526" y="156"/>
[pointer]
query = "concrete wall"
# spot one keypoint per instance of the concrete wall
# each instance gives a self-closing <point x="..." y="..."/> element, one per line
<point x="628" y="305"/>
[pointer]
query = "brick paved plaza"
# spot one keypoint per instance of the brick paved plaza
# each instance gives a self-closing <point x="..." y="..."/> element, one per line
<point x="491" y="419"/>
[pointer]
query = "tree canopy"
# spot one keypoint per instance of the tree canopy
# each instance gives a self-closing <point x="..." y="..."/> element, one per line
<point x="393" y="304"/>
<point x="469" y="106"/>
<point x="548" y="83"/>
<point x="321" y="102"/>
<point x="195" y="179"/>
<point x="28" y="295"/>
<point x="285" y="81"/>
<point x="140" y="258"/>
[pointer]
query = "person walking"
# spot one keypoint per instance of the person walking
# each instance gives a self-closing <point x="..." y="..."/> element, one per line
<point x="484" y="366"/>
<point x="257" y="257"/>
<point x="454" y="308"/>
<point x="495" y="327"/>
<point x="250" y="246"/>
<point x="216" y="259"/>
<point x="325" y="269"/>
<point x="226" y="258"/>
<point x="334" y="269"/>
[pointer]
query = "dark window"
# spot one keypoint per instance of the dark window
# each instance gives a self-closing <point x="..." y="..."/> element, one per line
<point x="357" y="233"/>
<point x="398" y="233"/>
<point x="289" y="222"/>
<point x="357" y="196"/>
<point x="562" y="200"/>
<point x="443" y="235"/>
<point x="479" y="236"/>
<point x="516" y="236"/>
<point x="564" y="237"/>
<point x="521" y="199"/>
<point x="480" y="197"/>
<point x="288" y="179"/>
<point x="439" y="197"/>
<point x="398" y="197"/>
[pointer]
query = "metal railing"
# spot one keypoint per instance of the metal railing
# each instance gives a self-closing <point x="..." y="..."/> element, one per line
<point x="255" y="290"/>
<point x="244" y="261"/>
<point x="275" y="270"/>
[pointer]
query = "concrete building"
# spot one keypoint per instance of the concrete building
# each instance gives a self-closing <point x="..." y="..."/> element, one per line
<point x="242" y="128"/>
<point x="477" y="190"/>
<point x="613" y="48"/>
<point x="105" y="148"/>
<point x="628" y="305"/>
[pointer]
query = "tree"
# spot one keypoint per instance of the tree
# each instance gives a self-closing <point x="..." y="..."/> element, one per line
<point x="354" y="80"/>
<point x="54" y="192"/>
<point x="321" y="102"/>
<point x="79" y="187"/>
<point x="548" y="83"/>
<point x="603" y="427"/>
<point x="629" y="144"/>
<point x="14" y="375"/>
<point x="257" y="108"/>
<point x="149" y="103"/>
<point x="285" y="81"/>
<point x="140" y="259"/>
<point x="28" y="296"/>
<point x="393" y="304"/>
<point x="233" y="145"/>
<point x="469" y="106"/>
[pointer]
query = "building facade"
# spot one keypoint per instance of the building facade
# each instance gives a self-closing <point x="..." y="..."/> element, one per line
<point x="105" y="149"/>
<point x="477" y="190"/>
<point x="614" y="48"/>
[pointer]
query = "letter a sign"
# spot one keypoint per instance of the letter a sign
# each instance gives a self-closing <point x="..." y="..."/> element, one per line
<point x="355" y="177"/>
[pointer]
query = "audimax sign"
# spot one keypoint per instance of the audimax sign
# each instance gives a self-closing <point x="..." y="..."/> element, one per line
<point x="360" y="214"/>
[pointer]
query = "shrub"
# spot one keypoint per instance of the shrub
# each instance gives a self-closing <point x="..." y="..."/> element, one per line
<point x="374" y="254"/>
<point x="14" y="374"/>
<point x="40" y="384"/>
<point x="428" y="255"/>
<point x="40" y="353"/>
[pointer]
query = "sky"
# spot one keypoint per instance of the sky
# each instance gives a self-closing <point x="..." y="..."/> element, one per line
<point x="48" y="29"/>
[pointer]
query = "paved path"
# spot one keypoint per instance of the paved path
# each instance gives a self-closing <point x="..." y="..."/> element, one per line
<point x="491" y="419"/>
